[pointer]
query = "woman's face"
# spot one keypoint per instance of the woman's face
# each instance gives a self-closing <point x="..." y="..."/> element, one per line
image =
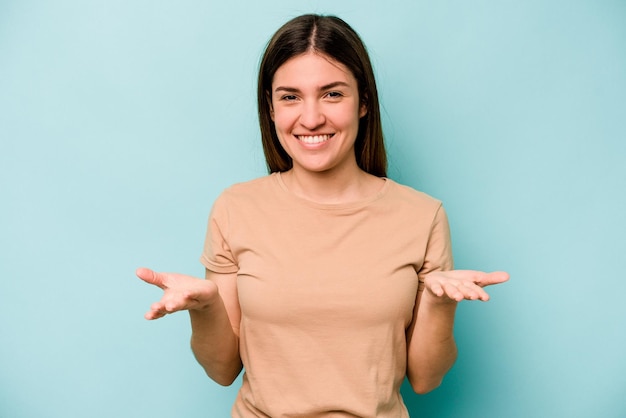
<point x="316" y="109"/>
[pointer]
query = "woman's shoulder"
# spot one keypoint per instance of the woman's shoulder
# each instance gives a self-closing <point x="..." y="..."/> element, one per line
<point x="253" y="185"/>
<point x="411" y="196"/>
<point x="251" y="190"/>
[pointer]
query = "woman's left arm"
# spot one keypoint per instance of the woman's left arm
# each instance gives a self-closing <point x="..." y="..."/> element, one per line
<point x="431" y="349"/>
<point x="431" y="346"/>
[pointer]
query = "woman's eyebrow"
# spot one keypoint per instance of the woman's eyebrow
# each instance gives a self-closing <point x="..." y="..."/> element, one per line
<point x="335" y="84"/>
<point x="286" y="89"/>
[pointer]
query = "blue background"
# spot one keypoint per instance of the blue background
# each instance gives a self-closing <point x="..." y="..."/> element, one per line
<point x="121" y="121"/>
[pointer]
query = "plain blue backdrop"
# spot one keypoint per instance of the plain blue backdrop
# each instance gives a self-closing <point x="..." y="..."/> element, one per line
<point x="121" y="121"/>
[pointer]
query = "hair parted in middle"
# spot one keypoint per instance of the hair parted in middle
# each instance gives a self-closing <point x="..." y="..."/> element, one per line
<point x="330" y="36"/>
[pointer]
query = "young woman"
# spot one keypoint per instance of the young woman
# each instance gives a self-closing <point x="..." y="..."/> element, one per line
<point x="326" y="281"/>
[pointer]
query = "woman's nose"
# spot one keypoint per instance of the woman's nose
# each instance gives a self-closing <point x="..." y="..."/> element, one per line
<point x="312" y="116"/>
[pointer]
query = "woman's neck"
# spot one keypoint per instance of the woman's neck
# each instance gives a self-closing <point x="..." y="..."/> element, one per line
<point x="332" y="187"/>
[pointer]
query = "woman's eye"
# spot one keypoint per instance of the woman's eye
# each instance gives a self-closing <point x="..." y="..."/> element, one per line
<point x="289" y="97"/>
<point x="334" y="94"/>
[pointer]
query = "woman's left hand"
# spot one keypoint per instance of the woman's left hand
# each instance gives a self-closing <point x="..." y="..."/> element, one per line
<point x="456" y="285"/>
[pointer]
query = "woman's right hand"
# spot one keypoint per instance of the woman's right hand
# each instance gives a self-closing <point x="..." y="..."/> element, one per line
<point x="180" y="292"/>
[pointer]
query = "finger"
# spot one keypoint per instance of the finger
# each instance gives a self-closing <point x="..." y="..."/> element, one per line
<point x="179" y="302"/>
<point x="479" y="291"/>
<point x="156" y="311"/>
<point x="496" y="277"/>
<point x="482" y="295"/>
<point x="157" y="306"/>
<point x="151" y="315"/>
<point x="437" y="290"/>
<point x="150" y="276"/>
<point x="172" y="306"/>
<point x="471" y="291"/>
<point x="453" y="292"/>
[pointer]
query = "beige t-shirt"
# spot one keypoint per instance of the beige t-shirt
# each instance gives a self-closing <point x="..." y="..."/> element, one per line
<point x="326" y="294"/>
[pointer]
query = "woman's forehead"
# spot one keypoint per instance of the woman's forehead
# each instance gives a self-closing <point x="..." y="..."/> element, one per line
<point x="311" y="68"/>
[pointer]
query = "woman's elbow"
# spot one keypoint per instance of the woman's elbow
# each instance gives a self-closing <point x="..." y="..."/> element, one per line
<point x="224" y="377"/>
<point x="423" y="386"/>
<point x="223" y="380"/>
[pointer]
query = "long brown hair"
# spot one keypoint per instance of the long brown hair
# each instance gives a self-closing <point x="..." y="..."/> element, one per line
<point x="331" y="36"/>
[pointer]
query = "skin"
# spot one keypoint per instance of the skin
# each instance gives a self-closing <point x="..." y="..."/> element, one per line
<point x="431" y="347"/>
<point x="316" y="109"/>
<point x="214" y="313"/>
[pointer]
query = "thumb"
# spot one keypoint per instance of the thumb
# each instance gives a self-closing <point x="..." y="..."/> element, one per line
<point x="494" y="278"/>
<point x="150" y="276"/>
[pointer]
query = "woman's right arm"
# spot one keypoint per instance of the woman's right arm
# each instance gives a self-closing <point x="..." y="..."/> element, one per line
<point x="214" y="311"/>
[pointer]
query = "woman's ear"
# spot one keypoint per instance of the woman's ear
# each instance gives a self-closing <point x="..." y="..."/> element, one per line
<point x="362" y="110"/>
<point x="363" y="106"/>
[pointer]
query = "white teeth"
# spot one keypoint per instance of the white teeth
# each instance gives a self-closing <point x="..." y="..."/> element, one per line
<point x="314" y="139"/>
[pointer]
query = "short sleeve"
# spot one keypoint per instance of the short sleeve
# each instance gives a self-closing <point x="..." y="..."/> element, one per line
<point x="439" y="248"/>
<point x="217" y="255"/>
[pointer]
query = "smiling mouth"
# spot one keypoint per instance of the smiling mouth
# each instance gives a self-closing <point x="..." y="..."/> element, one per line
<point x="314" y="139"/>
